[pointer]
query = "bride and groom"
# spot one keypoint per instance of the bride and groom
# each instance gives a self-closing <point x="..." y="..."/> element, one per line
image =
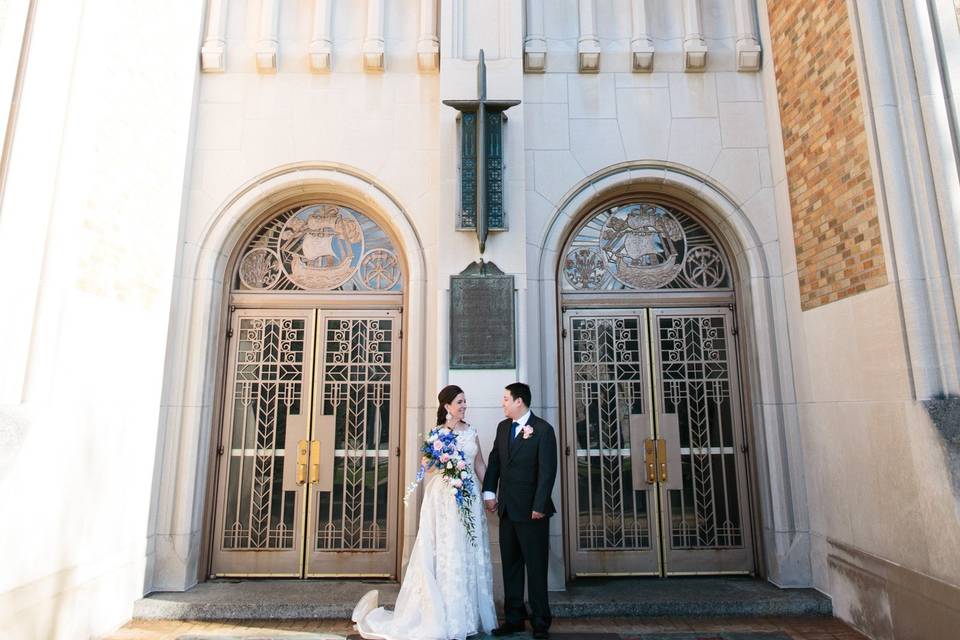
<point x="447" y="591"/>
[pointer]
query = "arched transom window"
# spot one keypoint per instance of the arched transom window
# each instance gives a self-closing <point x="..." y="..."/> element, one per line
<point x="319" y="247"/>
<point x="643" y="246"/>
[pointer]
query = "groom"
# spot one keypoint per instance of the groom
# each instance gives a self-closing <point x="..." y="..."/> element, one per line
<point x="524" y="464"/>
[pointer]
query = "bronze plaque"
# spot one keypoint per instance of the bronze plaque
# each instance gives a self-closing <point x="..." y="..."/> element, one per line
<point x="482" y="319"/>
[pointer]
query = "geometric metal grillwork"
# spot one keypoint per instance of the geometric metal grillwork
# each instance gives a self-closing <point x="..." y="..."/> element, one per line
<point x="643" y="246"/>
<point x="608" y="360"/>
<point x="319" y="247"/>
<point x="267" y="390"/>
<point x="356" y="387"/>
<point x="705" y="511"/>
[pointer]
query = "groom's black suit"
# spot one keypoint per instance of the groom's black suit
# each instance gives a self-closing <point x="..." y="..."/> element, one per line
<point x="524" y="470"/>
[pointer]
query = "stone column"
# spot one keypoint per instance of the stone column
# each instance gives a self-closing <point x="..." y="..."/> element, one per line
<point x="641" y="46"/>
<point x="694" y="46"/>
<point x="748" y="48"/>
<point x="428" y="44"/>
<point x="321" y="43"/>
<point x="534" y="43"/>
<point x="373" y="40"/>
<point x="213" y="52"/>
<point x="268" y="44"/>
<point x="588" y="45"/>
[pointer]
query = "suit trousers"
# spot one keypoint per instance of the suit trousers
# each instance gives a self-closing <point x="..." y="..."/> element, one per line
<point x="524" y="548"/>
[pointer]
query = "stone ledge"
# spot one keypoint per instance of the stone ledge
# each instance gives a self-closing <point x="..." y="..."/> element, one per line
<point x="623" y="597"/>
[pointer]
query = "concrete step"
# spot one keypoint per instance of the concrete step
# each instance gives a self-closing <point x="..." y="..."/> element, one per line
<point x="609" y="597"/>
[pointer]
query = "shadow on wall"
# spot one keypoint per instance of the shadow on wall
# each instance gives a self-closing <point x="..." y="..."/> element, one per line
<point x="944" y="412"/>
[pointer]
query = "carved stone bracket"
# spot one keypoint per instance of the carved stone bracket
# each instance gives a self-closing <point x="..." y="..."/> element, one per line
<point x="428" y="44"/>
<point x="588" y="44"/>
<point x="694" y="46"/>
<point x="373" y="49"/>
<point x="641" y="45"/>
<point x="535" y="44"/>
<point x="213" y="52"/>
<point x="321" y="42"/>
<point x="748" y="48"/>
<point x="268" y="45"/>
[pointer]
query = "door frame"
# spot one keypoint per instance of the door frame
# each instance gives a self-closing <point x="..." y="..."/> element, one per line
<point x="612" y="304"/>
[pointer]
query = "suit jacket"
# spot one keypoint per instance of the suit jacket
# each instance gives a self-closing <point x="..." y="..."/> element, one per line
<point x="524" y="470"/>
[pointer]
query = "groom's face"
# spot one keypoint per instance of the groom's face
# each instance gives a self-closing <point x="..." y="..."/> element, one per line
<point x="513" y="409"/>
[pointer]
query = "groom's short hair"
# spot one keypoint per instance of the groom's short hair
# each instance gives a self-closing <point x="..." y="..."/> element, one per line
<point x="520" y="391"/>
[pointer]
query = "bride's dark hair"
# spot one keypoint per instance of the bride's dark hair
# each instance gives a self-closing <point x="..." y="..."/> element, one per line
<point x="446" y="396"/>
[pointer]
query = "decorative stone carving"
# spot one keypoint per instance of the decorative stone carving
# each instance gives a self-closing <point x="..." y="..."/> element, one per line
<point x="643" y="246"/>
<point x="319" y="247"/>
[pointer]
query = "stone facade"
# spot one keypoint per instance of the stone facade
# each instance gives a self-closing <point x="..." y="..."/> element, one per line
<point x="150" y="142"/>
<point x="835" y="224"/>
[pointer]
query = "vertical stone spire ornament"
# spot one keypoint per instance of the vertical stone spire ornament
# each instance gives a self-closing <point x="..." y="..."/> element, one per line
<point x="481" y="159"/>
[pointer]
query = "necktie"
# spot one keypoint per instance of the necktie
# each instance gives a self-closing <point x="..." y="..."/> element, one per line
<point x="515" y="432"/>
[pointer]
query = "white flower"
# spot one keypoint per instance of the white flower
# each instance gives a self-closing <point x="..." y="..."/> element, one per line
<point x="431" y="438"/>
<point x="444" y="431"/>
<point x="449" y="465"/>
<point x="464" y="474"/>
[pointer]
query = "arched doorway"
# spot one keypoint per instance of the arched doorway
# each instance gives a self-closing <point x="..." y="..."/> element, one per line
<point x="308" y="449"/>
<point x="655" y="472"/>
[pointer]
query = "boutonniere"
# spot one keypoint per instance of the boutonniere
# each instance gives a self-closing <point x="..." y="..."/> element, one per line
<point x="526" y="431"/>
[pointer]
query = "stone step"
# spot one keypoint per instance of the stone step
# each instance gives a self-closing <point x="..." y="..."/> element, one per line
<point x="609" y="597"/>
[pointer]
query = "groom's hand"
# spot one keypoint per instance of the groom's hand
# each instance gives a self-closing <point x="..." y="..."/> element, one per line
<point x="491" y="505"/>
<point x="536" y="515"/>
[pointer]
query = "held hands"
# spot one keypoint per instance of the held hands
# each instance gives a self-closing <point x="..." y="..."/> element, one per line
<point x="536" y="515"/>
<point x="491" y="505"/>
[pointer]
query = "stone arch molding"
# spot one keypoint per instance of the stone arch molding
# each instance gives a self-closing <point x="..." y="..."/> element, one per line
<point x="187" y="412"/>
<point x="769" y="385"/>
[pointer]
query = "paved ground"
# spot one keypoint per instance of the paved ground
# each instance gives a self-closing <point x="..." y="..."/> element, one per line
<point x="803" y="628"/>
<point x="636" y="598"/>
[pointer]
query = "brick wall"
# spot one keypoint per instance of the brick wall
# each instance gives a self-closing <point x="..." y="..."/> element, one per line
<point x="835" y="227"/>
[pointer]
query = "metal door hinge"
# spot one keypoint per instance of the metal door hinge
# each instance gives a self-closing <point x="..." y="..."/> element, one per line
<point x="220" y="450"/>
<point x="397" y="453"/>
<point x="563" y="333"/>
<point x="230" y="333"/>
<point x="567" y="451"/>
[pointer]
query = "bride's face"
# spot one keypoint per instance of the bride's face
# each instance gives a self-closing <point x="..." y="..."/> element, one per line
<point x="458" y="408"/>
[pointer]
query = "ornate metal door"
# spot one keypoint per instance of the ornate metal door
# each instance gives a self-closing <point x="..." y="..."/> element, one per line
<point x="351" y="520"/>
<point x="259" y="530"/>
<point x="307" y="484"/>
<point x="657" y="481"/>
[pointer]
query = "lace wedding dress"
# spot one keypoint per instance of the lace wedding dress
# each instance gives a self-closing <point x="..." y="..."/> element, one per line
<point x="447" y="591"/>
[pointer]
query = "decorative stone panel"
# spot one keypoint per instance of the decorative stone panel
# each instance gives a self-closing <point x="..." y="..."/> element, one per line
<point x="835" y="226"/>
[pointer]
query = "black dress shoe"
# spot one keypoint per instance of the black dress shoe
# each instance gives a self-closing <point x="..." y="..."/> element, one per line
<point x="541" y="633"/>
<point x="507" y="628"/>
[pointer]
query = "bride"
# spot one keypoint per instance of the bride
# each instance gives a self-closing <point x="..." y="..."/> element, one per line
<point x="447" y="591"/>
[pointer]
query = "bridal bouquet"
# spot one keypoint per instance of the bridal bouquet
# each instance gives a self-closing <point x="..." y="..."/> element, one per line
<point x="440" y="452"/>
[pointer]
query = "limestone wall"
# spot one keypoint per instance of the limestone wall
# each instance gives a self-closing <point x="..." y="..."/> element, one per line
<point x="88" y="226"/>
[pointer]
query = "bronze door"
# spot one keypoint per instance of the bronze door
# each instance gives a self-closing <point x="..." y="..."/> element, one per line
<point x="654" y="456"/>
<point x="306" y="483"/>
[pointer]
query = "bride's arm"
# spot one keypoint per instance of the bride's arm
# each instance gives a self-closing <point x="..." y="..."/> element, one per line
<point x="478" y="464"/>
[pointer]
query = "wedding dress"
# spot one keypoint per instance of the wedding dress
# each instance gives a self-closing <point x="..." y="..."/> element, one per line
<point x="447" y="591"/>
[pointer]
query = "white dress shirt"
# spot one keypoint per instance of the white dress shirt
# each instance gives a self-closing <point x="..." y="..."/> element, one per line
<point x="521" y="423"/>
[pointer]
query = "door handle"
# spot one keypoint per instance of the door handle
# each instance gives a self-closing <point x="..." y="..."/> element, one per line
<point x="301" y="462"/>
<point x="650" y="460"/>
<point x="314" y="461"/>
<point x="662" y="458"/>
